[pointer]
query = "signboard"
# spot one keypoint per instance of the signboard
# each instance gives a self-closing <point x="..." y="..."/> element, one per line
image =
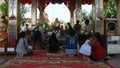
<point x="113" y="44"/>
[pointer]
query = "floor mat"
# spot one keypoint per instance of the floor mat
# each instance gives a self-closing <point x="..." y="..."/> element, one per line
<point x="43" y="59"/>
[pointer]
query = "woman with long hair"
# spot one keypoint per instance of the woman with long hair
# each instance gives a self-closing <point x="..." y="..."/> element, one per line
<point x="98" y="51"/>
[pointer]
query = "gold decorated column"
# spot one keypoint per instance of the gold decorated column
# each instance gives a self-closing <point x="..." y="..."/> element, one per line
<point x="99" y="17"/>
<point x="118" y="15"/>
<point x="18" y="18"/>
<point x="93" y="14"/>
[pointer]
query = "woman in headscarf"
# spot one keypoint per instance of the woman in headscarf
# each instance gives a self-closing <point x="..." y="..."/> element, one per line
<point x="53" y="43"/>
<point x="22" y="46"/>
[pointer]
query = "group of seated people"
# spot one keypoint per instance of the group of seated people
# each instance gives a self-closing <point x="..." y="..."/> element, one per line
<point x="92" y="48"/>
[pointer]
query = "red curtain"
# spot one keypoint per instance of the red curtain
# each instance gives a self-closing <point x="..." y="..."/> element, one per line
<point x="26" y="1"/>
<point x="86" y="1"/>
<point x="47" y="1"/>
<point x="65" y="1"/>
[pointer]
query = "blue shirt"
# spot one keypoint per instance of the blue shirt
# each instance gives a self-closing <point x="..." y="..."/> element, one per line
<point x="71" y="42"/>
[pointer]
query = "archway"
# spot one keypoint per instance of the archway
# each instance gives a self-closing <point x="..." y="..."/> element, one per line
<point x="41" y="5"/>
<point x="59" y="11"/>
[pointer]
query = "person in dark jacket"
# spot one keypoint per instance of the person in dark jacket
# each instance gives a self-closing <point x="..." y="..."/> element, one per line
<point x="37" y="38"/>
<point x="53" y="44"/>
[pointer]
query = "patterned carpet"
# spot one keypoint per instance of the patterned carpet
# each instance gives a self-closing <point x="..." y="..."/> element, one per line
<point x="43" y="59"/>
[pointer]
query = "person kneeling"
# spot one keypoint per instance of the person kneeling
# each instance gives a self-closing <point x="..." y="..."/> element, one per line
<point x="22" y="47"/>
<point x="85" y="49"/>
<point x="53" y="44"/>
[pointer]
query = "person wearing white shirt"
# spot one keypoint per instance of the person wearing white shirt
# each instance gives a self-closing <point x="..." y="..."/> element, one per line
<point x="85" y="49"/>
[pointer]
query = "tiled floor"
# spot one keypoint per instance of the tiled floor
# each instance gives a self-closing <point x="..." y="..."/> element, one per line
<point x="3" y="58"/>
<point x="114" y="60"/>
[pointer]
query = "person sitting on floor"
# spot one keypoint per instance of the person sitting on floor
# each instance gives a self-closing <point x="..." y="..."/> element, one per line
<point x="22" y="46"/>
<point x="85" y="49"/>
<point x="37" y="38"/>
<point x="53" y="44"/>
<point x="98" y="51"/>
<point x="71" y="44"/>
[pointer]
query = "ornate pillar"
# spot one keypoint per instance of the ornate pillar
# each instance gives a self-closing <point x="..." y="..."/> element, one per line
<point x="99" y="17"/>
<point x="93" y="14"/>
<point x="118" y="15"/>
<point x="18" y="18"/>
<point x="79" y="10"/>
<point x="12" y="21"/>
<point x="41" y="16"/>
<point x="34" y="12"/>
<point x="72" y="6"/>
<point x="71" y="18"/>
<point x="41" y="7"/>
